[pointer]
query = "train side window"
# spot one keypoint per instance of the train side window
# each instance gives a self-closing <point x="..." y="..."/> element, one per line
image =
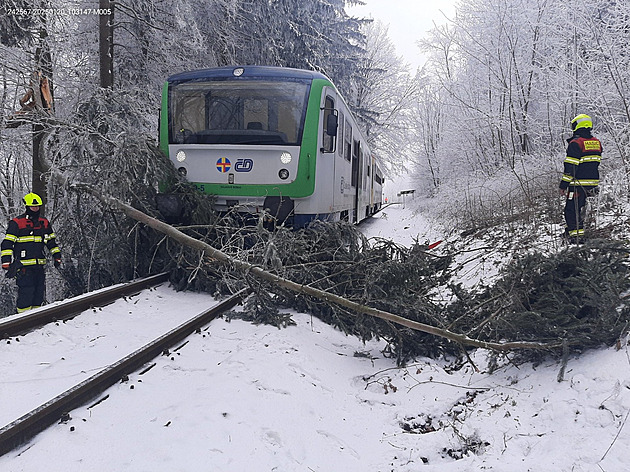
<point x="362" y="163"/>
<point x="364" y="166"/>
<point x="347" y="139"/>
<point x="340" y="134"/>
<point x="329" y="122"/>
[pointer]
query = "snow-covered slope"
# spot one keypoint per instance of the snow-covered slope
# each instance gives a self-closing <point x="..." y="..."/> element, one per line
<point x="308" y="398"/>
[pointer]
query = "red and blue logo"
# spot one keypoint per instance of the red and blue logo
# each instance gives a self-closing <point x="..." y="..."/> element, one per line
<point x="223" y="164"/>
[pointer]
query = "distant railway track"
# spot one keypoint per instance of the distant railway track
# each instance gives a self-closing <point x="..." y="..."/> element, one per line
<point x="61" y="311"/>
<point x="26" y="427"/>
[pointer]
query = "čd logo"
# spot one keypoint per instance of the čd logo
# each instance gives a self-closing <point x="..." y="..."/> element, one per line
<point x="241" y="165"/>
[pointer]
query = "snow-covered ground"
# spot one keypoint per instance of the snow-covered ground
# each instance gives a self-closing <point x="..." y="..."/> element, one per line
<point x="39" y="365"/>
<point x="403" y="225"/>
<point x="240" y="397"/>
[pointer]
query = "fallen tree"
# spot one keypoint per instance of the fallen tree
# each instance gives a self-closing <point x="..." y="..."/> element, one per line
<point x="249" y="269"/>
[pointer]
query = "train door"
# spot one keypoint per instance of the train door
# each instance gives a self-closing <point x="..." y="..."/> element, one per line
<point x="347" y="155"/>
<point x="369" y="185"/>
<point x="340" y="181"/>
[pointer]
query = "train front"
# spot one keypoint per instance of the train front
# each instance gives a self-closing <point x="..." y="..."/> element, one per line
<point x="238" y="133"/>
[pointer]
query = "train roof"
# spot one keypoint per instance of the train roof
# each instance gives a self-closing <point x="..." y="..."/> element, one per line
<point x="247" y="72"/>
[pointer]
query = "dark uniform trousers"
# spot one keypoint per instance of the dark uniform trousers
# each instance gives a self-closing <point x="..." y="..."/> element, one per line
<point x="574" y="211"/>
<point x="31" y="282"/>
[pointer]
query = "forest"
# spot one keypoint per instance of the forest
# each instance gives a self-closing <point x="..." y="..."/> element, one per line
<point x="481" y="126"/>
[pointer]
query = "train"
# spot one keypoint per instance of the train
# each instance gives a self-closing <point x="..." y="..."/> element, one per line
<point x="276" y="141"/>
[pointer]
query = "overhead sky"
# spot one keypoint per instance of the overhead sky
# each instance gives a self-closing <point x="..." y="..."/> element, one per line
<point x="408" y="21"/>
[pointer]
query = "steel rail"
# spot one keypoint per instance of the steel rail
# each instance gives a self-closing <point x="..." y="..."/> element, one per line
<point x="73" y="306"/>
<point x="21" y="430"/>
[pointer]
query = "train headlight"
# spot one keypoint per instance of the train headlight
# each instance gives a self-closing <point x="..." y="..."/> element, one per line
<point x="182" y="171"/>
<point x="283" y="174"/>
<point x="181" y="156"/>
<point x="286" y="157"/>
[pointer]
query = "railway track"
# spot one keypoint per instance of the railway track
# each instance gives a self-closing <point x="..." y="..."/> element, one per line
<point x="27" y="426"/>
<point x="16" y="325"/>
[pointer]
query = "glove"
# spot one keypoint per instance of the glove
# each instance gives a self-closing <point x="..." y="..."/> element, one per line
<point x="5" y="265"/>
<point x="592" y="192"/>
<point x="57" y="263"/>
<point x="13" y="269"/>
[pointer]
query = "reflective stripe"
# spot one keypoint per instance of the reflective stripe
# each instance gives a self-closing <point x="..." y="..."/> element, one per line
<point x="576" y="232"/>
<point x="29" y="239"/>
<point x="22" y="310"/>
<point x="576" y="162"/>
<point x="580" y="182"/>
<point x="55" y="250"/>
<point x="48" y="237"/>
<point x="588" y="182"/>
<point x="11" y="237"/>
<point x="30" y="262"/>
<point x="7" y="252"/>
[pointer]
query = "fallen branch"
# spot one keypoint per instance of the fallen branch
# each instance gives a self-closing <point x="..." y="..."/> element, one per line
<point x="246" y="268"/>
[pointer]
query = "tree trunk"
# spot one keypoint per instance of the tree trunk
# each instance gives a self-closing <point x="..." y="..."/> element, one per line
<point x="41" y="86"/>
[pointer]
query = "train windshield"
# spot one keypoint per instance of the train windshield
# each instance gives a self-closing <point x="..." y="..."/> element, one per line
<point x="257" y="112"/>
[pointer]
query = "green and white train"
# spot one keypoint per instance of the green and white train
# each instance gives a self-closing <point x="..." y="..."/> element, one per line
<point x="270" y="138"/>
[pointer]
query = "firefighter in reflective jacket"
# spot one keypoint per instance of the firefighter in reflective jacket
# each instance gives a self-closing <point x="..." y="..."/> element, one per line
<point x="581" y="174"/>
<point x="23" y="253"/>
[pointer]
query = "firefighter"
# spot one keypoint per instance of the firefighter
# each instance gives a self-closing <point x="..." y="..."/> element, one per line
<point x="581" y="174"/>
<point x="23" y="253"/>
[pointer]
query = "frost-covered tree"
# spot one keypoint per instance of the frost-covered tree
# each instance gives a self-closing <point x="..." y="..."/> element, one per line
<point x="27" y="77"/>
<point x="305" y="34"/>
<point x="510" y="75"/>
<point x="384" y="92"/>
<point x="106" y="138"/>
<point x="157" y="38"/>
<point x="16" y="27"/>
<point x="428" y="136"/>
<point x="486" y="62"/>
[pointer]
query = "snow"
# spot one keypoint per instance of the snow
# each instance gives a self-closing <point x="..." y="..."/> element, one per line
<point x="60" y="355"/>
<point x="401" y="225"/>
<point x="308" y="398"/>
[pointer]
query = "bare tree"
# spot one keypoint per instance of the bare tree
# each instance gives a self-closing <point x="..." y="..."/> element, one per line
<point x="509" y="77"/>
<point x="106" y="43"/>
<point x="384" y="94"/>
